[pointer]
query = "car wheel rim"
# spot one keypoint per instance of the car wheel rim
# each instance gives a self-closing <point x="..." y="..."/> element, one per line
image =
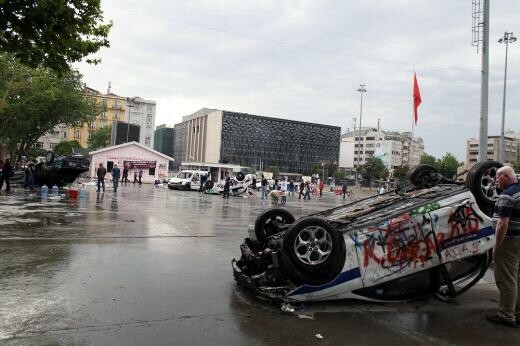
<point x="487" y="183"/>
<point x="313" y="245"/>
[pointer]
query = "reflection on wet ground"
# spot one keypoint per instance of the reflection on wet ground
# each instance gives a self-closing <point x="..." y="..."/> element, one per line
<point x="152" y="266"/>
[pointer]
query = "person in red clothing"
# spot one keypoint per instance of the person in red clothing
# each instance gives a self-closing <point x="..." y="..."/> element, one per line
<point x="322" y="186"/>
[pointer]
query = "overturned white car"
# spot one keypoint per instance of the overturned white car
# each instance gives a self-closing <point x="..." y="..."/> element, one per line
<point x="432" y="236"/>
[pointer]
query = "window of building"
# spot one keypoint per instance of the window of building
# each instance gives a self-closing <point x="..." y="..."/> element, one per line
<point x="147" y="141"/>
<point x="370" y="138"/>
<point x="52" y="146"/>
<point x="77" y="134"/>
<point x="110" y="165"/>
<point x="151" y="171"/>
<point x="473" y="145"/>
<point x="39" y="145"/>
<point x="490" y="152"/>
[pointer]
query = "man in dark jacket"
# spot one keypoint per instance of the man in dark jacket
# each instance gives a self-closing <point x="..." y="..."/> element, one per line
<point x="506" y="253"/>
<point x="125" y="174"/>
<point x="101" y="172"/>
<point x="116" y="173"/>
<point x="227" y="185"/>
<point x="5" y="175"/>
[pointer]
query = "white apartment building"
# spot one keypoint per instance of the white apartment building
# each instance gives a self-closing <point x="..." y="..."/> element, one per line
<point x="51" y="139"/>
<point x="142" y="112"/>
<point x="391" y="147"/>
<point x="511" y="149"/>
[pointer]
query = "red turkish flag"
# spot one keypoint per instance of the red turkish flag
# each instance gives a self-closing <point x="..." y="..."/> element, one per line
<point x="416" y="97"/>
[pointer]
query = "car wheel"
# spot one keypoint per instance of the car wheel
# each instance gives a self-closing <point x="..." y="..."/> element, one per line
<point x="481" y="182"/>
<point x="421" y="176"/>
<point x="49" y="158"/>
<point x="240" y="176"/>
<point x="315" y="251"/>
<point x="268" y="223"/>
<point x="187" y="187"/>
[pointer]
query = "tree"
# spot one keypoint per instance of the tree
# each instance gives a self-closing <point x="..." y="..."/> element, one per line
<point x="516" y="166"/>
<point x="373" y="169"/>
<point x="52" y="34"/>
<point x="100" y="138"/>
<point x="35" y="101"/>
<point x="400" y="173"/>
<point x="429" y="160"/>
<point x="67" y="147"/>
<point x="448" y="165"/>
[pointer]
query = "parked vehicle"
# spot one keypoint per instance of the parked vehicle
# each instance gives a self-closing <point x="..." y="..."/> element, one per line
<point x="430" y="236"/>
<point x="56" y="170"/>
<point x="187" y="180"/>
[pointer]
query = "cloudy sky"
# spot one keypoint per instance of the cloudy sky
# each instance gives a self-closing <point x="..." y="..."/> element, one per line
<point x="305" y="59"/>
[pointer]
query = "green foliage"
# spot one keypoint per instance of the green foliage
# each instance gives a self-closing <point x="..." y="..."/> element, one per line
<point x="33" y="153"/>
<point x="447" y="165"/>
<point x="67" y="147"/>
<point x="400" y="173"/>
<point x="52" y="33"/>
<point x="428" y="160"/>
<point x="35" y="101"/>
<point x="338" y="174"/>
<point x="373" y="169"/>
<point x="100" y="138"/>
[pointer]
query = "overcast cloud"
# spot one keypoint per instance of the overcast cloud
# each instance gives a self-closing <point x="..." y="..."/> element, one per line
<point x="304" y="60"/>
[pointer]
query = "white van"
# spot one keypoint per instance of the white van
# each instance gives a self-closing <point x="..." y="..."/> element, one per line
<point x="187" y="180"/>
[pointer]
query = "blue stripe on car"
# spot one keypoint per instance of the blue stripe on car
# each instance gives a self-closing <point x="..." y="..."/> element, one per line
<point x="341" y="278"/>
<point x="484" y="232"/>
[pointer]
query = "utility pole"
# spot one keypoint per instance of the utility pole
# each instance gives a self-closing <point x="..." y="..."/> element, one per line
<point x="361" y="90"/>
<point x="484" y="86"/>
<point x="507" y="39"/>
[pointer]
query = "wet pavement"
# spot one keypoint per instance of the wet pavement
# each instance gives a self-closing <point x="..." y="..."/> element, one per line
<point x="152" y="266"/>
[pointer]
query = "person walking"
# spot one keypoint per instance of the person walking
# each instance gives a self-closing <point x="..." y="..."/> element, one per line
<point x="227" y="183"/>
<point x="101" y="172"/>
<point x="116" y="173"/>
<point x="5" y="175"/>
<point x="307" y="191"/>
<point x="291" y="187"/>
<point x="203" y="179"/>
<point x="283" y="188"/>
<point x="506" y="253"/>
<point x="124" y="179"/>
<point x="322" y="186"/>
<point x="29" y="176"/>
<point x="140" y="176"/>
<point x="135" y="176"/>
<point x="302" y="190"/>
<point x="263" y="187"/>
<point x="344" y="189"/>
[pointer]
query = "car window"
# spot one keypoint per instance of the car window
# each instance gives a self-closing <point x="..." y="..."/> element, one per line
<point x="184" y="175"/>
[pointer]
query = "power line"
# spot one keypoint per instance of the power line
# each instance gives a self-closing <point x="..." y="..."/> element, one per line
<point x="284" y="43"/>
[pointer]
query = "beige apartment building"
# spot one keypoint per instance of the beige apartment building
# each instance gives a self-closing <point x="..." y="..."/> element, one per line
<point x="511" y="146"/>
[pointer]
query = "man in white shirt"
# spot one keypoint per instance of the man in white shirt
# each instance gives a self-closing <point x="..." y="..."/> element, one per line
<point x="283" y="187"/>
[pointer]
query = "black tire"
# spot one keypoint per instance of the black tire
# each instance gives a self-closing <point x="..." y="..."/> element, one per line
<point x="296" y="245"/>
<point x="267" y="223"/>
<point x="49" y="158"/>
<point x="208" y="185"/>
<point x="420" y="176"/>
<point x="187" y="187"/>
<point x="481" y="182"/>
<point x="240" y="176"/>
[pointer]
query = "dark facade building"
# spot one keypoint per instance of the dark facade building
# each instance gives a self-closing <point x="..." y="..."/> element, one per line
<point x="123" y="132"/>
<point x="163" y="140"/>
<point x="179" y="145"/>
<point x="250" y="140"/>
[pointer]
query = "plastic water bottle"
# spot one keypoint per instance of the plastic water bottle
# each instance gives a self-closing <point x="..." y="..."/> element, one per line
<point x="55" y="191"/>
<point x="82" y="192"/>
<point x="44" y="191"/>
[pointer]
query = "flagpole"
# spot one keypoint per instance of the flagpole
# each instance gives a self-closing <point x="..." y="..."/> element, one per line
<point x="410" y="150"/>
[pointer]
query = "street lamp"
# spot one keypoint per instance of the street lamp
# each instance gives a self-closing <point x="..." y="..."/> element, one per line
<point x="507" y="39"/>
<point x="361" y="90"/>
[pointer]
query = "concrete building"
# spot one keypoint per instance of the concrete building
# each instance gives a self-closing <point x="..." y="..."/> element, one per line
<point x="511" y="149"/>
<point x="163" y="140"/>
<point x="391" y="147"/>
<point x="134" y="110"/>
<point x="219" y="136"/>
<point x="142" y="112"/>
<point x="136" y="157"/>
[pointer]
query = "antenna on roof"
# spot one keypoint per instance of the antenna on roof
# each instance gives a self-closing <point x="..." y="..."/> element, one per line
<point x="109" y="87"/>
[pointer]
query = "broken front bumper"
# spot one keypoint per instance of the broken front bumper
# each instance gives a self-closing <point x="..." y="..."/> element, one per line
<point x="254" y="283"/>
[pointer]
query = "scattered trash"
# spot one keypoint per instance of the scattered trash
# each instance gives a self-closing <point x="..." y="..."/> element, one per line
<point x="286" y="307"/>
<point x="319" y="336"/>
<point x="304" y="316"/>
